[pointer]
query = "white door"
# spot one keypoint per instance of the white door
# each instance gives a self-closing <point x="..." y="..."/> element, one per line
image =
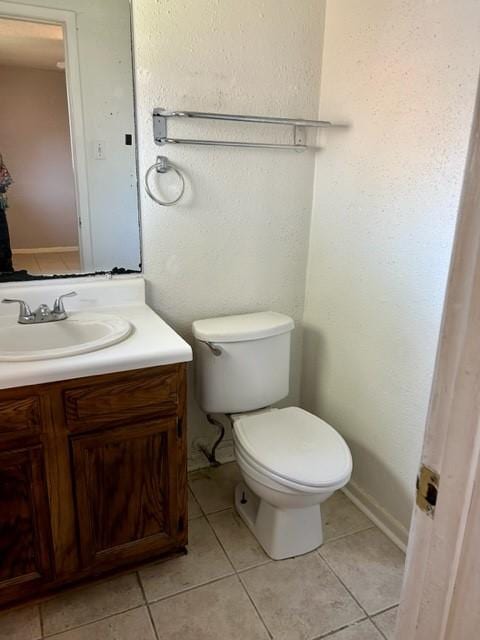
<point x="441" y="594"/>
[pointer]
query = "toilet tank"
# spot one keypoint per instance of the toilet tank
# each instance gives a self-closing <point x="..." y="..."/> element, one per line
<point x="246" y="366"/>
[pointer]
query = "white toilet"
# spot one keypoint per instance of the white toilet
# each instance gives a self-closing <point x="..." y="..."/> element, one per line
<point x="290" y="460"/>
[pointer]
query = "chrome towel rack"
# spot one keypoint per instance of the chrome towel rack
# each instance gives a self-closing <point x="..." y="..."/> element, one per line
<point x="160" y="129"/>
<point x="163" y="165"/>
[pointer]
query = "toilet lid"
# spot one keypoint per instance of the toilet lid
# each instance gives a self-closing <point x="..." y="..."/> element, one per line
<point x="295" y="445"/>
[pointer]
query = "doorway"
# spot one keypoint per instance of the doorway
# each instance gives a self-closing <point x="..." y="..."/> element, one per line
<point x="40" y="202"/>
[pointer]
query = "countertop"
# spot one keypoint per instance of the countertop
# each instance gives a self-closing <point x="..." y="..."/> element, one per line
<point x="152" y="343"/>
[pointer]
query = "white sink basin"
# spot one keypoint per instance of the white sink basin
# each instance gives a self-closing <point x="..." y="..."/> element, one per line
<point x="79" y="333"/>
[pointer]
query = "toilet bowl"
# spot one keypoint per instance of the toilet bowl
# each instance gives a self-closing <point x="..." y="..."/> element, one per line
<point x="290" y="460"/>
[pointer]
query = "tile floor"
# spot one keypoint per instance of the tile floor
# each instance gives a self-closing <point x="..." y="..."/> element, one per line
<point x="45" y="263"/>
<point x="227" y="588"/>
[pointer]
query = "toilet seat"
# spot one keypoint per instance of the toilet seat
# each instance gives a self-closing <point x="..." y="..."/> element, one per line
<point x="293" y="448"/>
<point x="278" y="484"/>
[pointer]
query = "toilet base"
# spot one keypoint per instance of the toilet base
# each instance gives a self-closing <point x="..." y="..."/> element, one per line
<point x="283" y="533"/>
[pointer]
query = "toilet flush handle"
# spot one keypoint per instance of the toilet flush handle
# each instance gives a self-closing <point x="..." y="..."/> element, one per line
<point x="214" y="349"/>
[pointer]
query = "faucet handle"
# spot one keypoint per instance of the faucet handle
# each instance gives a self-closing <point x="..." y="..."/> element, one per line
<point x="25" y="311"/>
<point x="58" y="304"/>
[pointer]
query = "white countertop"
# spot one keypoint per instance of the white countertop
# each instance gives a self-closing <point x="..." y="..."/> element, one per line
<point x="152" y="342"/>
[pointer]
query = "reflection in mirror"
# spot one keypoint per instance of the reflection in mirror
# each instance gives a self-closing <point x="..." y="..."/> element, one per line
<point x="68" y="181"/>
<point x="37" y="182"/>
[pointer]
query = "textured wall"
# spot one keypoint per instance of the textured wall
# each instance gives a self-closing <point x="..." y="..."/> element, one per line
<point x="238" y="240"/>
<point x="42" y="210"/>
<point x="386" y="197"/>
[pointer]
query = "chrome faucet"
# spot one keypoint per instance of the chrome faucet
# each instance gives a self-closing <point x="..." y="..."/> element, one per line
<point x="43" y="313"/>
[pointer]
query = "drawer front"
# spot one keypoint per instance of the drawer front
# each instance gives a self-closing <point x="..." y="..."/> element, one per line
<point x="118" y="399"/>
<point x="20" y="416"/>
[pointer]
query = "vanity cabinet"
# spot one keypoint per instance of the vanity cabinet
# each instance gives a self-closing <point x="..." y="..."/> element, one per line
<point x="25" y="537"/>
<point x="92" y="477"/>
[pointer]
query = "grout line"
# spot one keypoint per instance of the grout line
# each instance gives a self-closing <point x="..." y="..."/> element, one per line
<point x="329" y="634"/>
<point x="237" y="575"/>
<point x="237" y="571"/>
<point x="191" y="518"/>
<point x="380" y="611"/>
<point x="369" y="616"/>
<point x="220" y="544"/>
<point x="342" y="582"/>
<point x="190" y="491"/>
<point x="152" y="622"/>
<point x="206" y="514"/>
<point x="372" y="619"/>
<point x="149" y="613"/>
<point x="140" y="584"/>
<point x="188" y="589"/>
<point x="203" y="512"/>
<point x="222" y="510"/>
<point x="255" y="566"/>
<point x="379" y="630"/>
<point x="40" y="616"/>
<point x="254" y="606"/>
<point x="350" y="533"/>
<point x="86" y="624"/>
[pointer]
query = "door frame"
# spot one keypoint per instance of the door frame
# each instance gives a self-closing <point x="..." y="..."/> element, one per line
<point x="441" y="587"/>
<point x="68" y="21"/>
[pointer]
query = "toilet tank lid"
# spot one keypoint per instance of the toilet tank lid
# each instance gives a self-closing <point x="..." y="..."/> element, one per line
<point x="247" y="326"/>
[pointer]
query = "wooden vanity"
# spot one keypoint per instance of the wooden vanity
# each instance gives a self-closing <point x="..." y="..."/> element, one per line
<point x="92" y="477"/>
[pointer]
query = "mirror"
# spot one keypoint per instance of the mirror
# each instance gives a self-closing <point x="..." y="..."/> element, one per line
<point x="68" y="175"/>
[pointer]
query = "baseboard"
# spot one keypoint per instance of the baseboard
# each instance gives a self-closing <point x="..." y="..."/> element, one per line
<point x="197" y="460"/>
<point x="18" y="252"/>
<point x="390" y="526"/>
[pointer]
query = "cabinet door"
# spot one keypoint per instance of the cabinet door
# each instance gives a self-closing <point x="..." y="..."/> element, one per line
<point x="126" y="492"/>
<point x="25" y="539"/>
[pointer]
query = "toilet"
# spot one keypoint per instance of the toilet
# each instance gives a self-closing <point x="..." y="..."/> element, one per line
<point x="290" y="460"/>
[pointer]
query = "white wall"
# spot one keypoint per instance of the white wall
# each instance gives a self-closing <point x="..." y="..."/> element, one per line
<point x="404" y="74"/>
<point x="238" y="240"/>
<point x="42" y="211"/>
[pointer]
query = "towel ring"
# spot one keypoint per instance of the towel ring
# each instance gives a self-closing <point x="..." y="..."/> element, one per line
<point x="162" y="165"/>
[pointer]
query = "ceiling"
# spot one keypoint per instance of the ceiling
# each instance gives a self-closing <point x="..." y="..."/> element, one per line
<point x="31" y="44"/>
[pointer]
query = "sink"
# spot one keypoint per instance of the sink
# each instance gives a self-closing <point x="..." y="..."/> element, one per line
<point x="79" y="333"/>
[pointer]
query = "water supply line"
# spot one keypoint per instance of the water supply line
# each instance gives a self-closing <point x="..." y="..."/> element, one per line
<point x="211" y="454"/>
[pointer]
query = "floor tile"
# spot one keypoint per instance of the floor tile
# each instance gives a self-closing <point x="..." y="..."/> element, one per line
<point x="240" y="545"/>
<point x="71" y="260"/>
<point x="50" y="265"/>
<point x="386" y="622"/>
<point x="80" y="606"/>
<point x="205" y="561"/>
<point x="63" y="262"/>
<point x="215" y="612"/>
<point x="214" y="487"/>
<point x="20" y="624"/>
<point x="341" y="517"/>
<point x="370" y="565"/>
<point x="300" y="598"/>
<point x="131" y="625"/>
<point x="194" y="510"/>
<point x="27" y="262"/>
<point x="358" y="631"/>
